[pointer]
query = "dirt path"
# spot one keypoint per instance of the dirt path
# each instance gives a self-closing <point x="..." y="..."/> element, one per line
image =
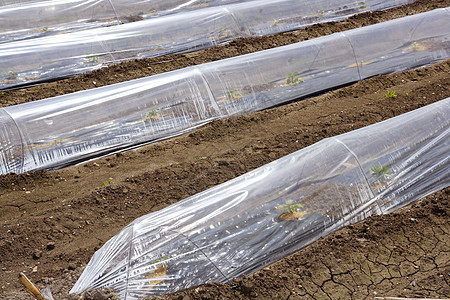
<point x="52" y="222"/>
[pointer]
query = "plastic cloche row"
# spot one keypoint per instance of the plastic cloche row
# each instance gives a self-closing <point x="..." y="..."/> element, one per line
<point x="253" y="220"/>
<point x="63" y="130"/>
<point x="34" y="60"/>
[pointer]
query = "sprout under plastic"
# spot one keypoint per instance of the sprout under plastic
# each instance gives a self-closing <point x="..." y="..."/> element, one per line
<point x="55" y="132"/>
<point x="249" y="222"/>
<point x="34" y="60"/>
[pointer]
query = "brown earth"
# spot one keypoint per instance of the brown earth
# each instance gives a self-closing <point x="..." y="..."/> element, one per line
<point x="53" y="221"/>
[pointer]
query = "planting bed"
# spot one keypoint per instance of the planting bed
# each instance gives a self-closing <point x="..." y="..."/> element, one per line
<point x="52" y="222"/>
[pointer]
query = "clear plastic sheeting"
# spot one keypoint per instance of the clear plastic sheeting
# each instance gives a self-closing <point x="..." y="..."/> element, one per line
<point x="44" y="18"/>
<point x="249" y="222"/>
<point x="9" y="2"/>
<point x="48" y="56"/>
<point x="58" y="131"/>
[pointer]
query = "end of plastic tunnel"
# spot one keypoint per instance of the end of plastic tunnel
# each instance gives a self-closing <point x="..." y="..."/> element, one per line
<point x="11" y="145"/>
<point x="131" y="272"/>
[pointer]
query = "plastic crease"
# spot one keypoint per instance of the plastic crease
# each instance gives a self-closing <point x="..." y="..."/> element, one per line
<point x="359" y="165"/>
<point x="354" y="54"/>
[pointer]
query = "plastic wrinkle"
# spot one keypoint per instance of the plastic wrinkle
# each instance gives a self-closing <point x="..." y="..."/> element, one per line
<point x="36" y="47"/>
<point x="68" y="129"/>
<point x="253" y="220"/>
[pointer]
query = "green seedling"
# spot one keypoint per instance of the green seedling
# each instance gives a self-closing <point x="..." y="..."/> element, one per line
<point x="160" y="271"/>
<point x="222" y="33"/>
<point x="289" y="207"/>
<point x="153" y="113"/>
<point x="158" y="260"/>
<point x="92" y="58"/>
<point x="12" y="75"/>
<point x="42" y="29"/>
<point x="389" y="94"/>
<point x="234" y="94"/>
<point x="382" y="174"/>
<point x="291" y="80"/>
<point x="415" y="46"/>
<point x="116" y="24"/>
<point x="151" y="11"/>
<point x="2" y="94"/>
<point x="57" y="91"/>
<point x="110" y="181"/>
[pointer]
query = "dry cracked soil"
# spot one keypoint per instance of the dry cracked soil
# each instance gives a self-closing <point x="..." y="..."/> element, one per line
<point x="53" y="221"/>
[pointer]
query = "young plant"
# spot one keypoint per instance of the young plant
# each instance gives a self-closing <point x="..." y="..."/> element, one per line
<point x="57" y="91"/>
<point x="292" y="211"/>
<point x="415" y="46"/>
<point x="234" y="94"/>
<point x="158" y="275"/>
<point x="116" y="24"/>
<point x="153" y="113"/>
<point x="110" y="181"/>
<point x="222" y="33"/>
<point x="389" y="94"/>
<point x="151" y="11"/>
<point x="290" y="207"/>
<point x="382" y="174"/>
<point x="93" y="58"/>
<point x="42" y="29"/>
<point x="291" y="80"/>
<point x="158" y="260"/>
<point x="12" y="75"/>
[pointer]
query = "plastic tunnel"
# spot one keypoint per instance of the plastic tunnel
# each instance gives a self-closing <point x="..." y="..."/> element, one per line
<point x="44" y="18"/>
<point x="251" y="221"/>
<point x="63" y="130"/>
<point x="55" y="56"/>
<point x="9" y="2"/>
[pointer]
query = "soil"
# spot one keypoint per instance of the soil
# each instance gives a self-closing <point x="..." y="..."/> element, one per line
<point x="53" y="221"/>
